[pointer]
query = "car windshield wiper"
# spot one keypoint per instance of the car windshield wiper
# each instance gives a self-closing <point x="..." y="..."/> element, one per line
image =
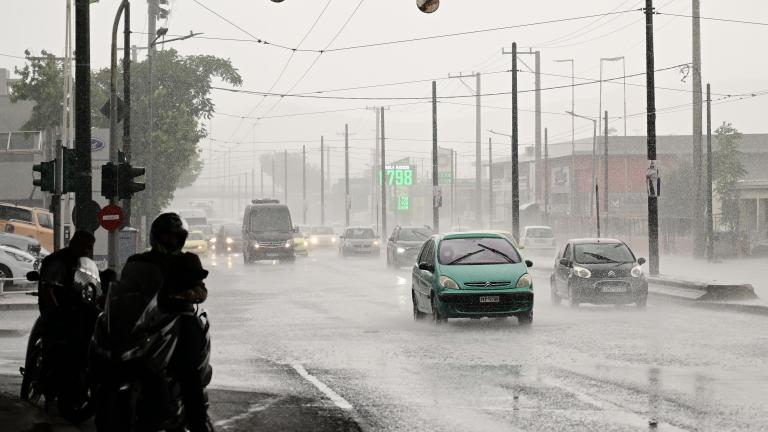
<point x="497" y="252"/>
<point x="600" y="257"/>
<point x="465" y="256"/>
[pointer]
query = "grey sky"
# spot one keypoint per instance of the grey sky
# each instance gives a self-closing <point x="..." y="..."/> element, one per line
<point x="731" y="62"/>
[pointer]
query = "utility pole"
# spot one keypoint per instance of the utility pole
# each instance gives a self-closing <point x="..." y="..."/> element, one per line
<point x="383" y="183"/>
<point x="698" y="227"/>
<point x="478" y="146"/>
<point x="322" y="181"/>
<point x="653" y="209"/>
<point x="547" y="179"/>
<point x="261" y="181"/>
<point x="515" y="144"/>
<point x="127" y="97"/>
<point x="83" y="189"/>
<point x="491" y="205"/>
<point x="710" y="216"/>
<point x="304" y="184"/>
<point x="597" y="207"/>
<point x="453" y="186"/>
<point x="605" y="168"/>
<point x="285" y="175"/>
<point x="436" y="196"/>
<point x="152" y="8"/>
<point x="347" y="198"/>
<point x="571" y="175"/>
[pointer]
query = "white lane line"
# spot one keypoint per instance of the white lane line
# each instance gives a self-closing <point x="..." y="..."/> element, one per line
<point x="327" y="391"/>
<point x="227" y="423"/>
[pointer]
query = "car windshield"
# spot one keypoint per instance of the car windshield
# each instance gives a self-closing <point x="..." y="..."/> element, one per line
<point x="359" y="233"/>
<point x="542" y="232"/>
<point x="603" y="253"/>
<point x="232" y="231"/>
<point x="415" y="234"/>
<point x="270" y="219"/>
<point x="195" y="236"/>
<point x="322" y="230"/>
<point x="477" y="251"/>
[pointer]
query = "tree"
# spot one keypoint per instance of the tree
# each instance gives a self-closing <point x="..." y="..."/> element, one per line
<point x="728" y="169"/>
<point x="181" y="87"/>
<point x="677" y="199"/>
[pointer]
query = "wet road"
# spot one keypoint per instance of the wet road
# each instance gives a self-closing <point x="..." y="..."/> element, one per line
<point x="330" y="344"/>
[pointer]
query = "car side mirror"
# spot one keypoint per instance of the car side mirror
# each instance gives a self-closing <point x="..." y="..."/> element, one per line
<point x="425" y="266"/>
<point x="641" y="261"/>
<point x="528" y="263"/>
<point x="565" y="262"/>
<point x="33" y="276"/>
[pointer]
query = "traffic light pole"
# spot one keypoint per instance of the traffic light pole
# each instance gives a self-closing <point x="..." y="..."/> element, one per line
<point x="113" y="149"/>
<point x="83" y="189"/>
<point x="127" y="97"/>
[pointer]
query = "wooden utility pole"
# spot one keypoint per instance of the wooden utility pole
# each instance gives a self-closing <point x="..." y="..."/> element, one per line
<point x="436" y="197"/>
<point x="383" y="182"/>
<point x="653" y="207"/>
<point x="699" y="227"/>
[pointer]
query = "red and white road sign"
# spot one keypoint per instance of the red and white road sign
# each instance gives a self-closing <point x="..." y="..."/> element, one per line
<point x="111" y="217"/>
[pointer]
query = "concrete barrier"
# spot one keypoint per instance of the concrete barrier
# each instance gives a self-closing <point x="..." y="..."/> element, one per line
<point x="701" y="291"/>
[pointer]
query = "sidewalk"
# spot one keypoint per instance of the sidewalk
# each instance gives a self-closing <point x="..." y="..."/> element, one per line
<point x="753" y="271"/>
<point x="17" y="301"/>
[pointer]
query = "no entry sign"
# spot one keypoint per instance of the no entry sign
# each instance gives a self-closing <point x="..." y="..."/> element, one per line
<point x="111" y="217"/>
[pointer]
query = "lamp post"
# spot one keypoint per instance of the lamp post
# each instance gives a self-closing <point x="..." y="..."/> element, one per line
<point x="594" y="156"/>
<point x="572" y="174"/>
<point x="624" y="68"/>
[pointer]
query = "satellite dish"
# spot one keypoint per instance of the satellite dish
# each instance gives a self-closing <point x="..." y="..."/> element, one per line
<point x="428" y="6"/>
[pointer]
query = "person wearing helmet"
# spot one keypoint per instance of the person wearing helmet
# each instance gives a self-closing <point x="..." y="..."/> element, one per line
<point x="183" y="286"/>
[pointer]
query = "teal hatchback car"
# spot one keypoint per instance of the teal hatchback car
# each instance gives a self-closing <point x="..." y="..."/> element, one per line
<point x="471" y="275"/>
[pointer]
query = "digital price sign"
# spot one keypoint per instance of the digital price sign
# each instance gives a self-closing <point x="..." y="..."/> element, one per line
<point x="398" y="175"/>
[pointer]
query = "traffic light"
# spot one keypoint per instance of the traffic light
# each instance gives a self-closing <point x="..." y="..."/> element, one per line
<point x="70" y="167"/>
<point x="126" y="187"/>
<point x="109" y="180"/>
<point x="47" y="180"/>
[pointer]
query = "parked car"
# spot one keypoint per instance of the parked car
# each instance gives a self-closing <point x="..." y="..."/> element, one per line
<point x="405" y="243"/>
<point x="25" y="244"/>
<point x="471" y="275"/>
<point x="359" y="241"/>
<point x="31" y="222"/>
<point x="196" y="243"/>
<point x="598" y="271"/>
<point x="322" y="237"/>
<point x="15" y="264"/>
<point x="538" y="240"/>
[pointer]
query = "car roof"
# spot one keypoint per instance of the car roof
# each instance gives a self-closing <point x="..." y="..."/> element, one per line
<point x="470" y="234"/>
<point x="537" y="227"/>
<point x="17" y="237"/>
<point x="594" y="240"/>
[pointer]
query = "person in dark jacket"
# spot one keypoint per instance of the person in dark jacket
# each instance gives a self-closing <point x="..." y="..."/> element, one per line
<point x="182" y="287"/>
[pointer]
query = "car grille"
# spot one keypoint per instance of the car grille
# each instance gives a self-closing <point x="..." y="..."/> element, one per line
<point x="471" y="303"/>
<point x="272" y="244"/>
<point x="496" y="284"/>
<point x="606" y="274"/>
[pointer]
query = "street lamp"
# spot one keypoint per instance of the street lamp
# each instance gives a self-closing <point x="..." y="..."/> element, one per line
<point x="573" y="134"/>
<point x="426" y="6"/>
<point x="594" y="156"/>
<point x="624" y="68"/>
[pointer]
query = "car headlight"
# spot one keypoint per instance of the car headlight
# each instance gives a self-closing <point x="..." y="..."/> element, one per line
<point x="229" y="240"/>
<point x="375" y="242"/>
<point x="199" y="246"/>
<point x="255" y="244"/>
<point x="582" y="272"/>
<point x="288" y="244"/>
<point x="401" y="250"/>
<point x="448" y="283"/>
<point x="19" y="257"/>
<point x="333" y="239"/>
<point x="637" y="271"/>
<point x="213" y="240"/>
<point x="524" y="281"/>
<point x="313" y="240"/>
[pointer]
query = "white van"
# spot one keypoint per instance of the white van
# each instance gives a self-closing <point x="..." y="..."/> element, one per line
<point x="538" y="239"/>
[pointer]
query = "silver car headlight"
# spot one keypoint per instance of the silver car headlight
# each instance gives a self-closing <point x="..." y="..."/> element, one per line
<point x="256" y="244"/>
<point x="288" y="244"/>
<point x="229" y="240"/>
<point x="582" y="272"/>
<point x="637" y="271"/>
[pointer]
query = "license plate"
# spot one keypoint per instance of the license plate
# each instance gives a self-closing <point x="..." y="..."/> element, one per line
<point x="272" y="255"/>
<point x="613" y="289"/>
<point x="489" y="299"/>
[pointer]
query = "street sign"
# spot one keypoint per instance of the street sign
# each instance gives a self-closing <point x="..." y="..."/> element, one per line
<point x="403" y="203"/>
<point x="91" y="222"/>
<point x="111" y="217"/>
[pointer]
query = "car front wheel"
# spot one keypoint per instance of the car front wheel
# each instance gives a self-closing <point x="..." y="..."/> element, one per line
<point x="572" y="301"/>
<point x="526" y="318"/>
<point x="437" y="317"/>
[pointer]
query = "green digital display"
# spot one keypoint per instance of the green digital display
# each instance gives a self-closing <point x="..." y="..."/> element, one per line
<point x="399" y="175"/>
<point x="403" y="202"/>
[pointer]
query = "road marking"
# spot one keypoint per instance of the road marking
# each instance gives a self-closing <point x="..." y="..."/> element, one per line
<point x="327" y="391"/>
<point x="227" y="423"/>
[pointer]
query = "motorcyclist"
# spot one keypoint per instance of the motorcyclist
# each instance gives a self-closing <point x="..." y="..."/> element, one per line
<point x="182" y="287"/>
<point x="58" y="310"/>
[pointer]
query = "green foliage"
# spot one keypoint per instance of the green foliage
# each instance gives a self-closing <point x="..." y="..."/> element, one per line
<point x="181" y="87"/>
<point x="728" y="169"/>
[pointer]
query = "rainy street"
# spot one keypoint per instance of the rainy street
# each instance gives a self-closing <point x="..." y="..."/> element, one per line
<point x="348" y="324"/>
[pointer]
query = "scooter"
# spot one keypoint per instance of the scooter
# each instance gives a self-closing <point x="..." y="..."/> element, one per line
<point x="132" y="346"/>
<point x="65" y="378"/>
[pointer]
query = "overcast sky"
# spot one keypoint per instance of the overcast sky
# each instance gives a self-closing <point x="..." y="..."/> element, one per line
<point x="733" y="62"/>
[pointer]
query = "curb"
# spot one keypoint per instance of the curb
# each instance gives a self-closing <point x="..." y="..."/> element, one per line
<point x="702" y="291"/>
<point x="717" y="306"/>
<point x="12" y="306"/>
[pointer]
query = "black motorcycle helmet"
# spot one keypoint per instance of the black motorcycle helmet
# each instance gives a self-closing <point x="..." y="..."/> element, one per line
<point x="168" y="233"/>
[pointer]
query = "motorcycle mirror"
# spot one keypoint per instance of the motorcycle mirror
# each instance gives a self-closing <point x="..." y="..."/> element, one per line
<point x="428" y="6"/>
<point x="33" y="276"/>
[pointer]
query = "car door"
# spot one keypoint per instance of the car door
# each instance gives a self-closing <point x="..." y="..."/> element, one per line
<point x="420" y="288"/>
<point x="563" y="272"/>
<point x="429" y="275"/>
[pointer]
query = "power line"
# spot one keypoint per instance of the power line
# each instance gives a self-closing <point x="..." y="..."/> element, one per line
<point x="735" y="21"/>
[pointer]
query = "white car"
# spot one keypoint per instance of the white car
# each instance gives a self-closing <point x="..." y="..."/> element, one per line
<point x="15" y="264"/>
<point x="322" y="236"/>
<point x="538" y="239"/>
